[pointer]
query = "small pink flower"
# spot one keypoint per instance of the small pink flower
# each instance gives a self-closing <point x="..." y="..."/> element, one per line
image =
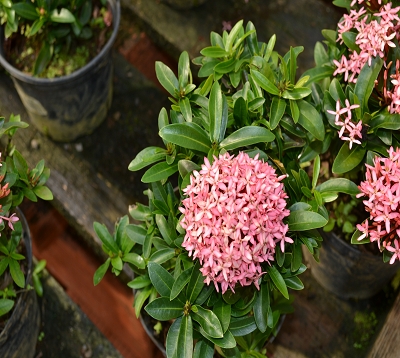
<point x="12" y="219"/>
<point x="382" y="189"/>
<point x="233" y="217"/>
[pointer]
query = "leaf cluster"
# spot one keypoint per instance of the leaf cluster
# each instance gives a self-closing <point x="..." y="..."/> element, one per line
<point x="54" y="23"/>
<point x="17" y="181"/>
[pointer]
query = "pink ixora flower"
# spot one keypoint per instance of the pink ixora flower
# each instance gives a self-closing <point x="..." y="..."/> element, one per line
<point x="12" y="219"/>
<point x="382" y="189"/>
<point x="233" y="216"/>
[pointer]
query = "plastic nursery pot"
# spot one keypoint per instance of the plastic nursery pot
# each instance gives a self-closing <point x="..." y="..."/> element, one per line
<point x="347" y="271"/>
<point x="19" y="336"/>
<point x="184" y="4"/>
<point x="67" y="107"/>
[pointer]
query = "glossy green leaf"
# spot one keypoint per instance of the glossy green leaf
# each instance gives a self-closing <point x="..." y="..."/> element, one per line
<point x="26" y="10"/>
<point x="187" y="135"/>
<point x="62" y="16"/>
<point x="296" y="93"/>
<point x="228" y="340"/>
<point x="186" y="167"/>
<point x="134" y="259"/>
<point x="6" y="306"/>
<point x="43" y="192"/>
<point x="179" y="341"/>
<point x="311" y="120"/>
<point x="159" y="171"/>
<point x="277" y="110"/>
<point x="246" y="136"/>
<point x="163" y="309"/>
<point x="167" y="78"/>
<point x="341" y="185"/>
<point x="347" y="159"/>
<point x="305" y="220"/>
<point x="161" y="279"/>
<point x="208" y="320"/>
<point x="136" y="233"/>
<point x="264" y="83"/>
<point x="226" y="66"/>
<point x="349" y="38"/>
<point x="163" y="255"/>
<point x="215" y="106"/>
<point x="43" y="59"/>
<point x="101" y="271"/>
<point x="223" y="312"/>
<point x="186" y="109"/>
<point x="183" y="69"/>
<point x="317" y="74"/>
<point x="196" y="284"/>
<point x="203" y="349"/>
<point x="385" y="120"/>
<point x="146" y="157"/>
<point x="105" y="237"/>
<point x="233" y="35"/>
<point x="139" y="282"/>
<point x="180" y="283"/>
<point x="261" y="307"/>
<point x="294" y="283"/>
<point x="242" y="326"/>
<point x="366" y="81"/>
<point x="36" y="26"/>
<point x="278" y="281"/>
<point x="140" y="298"/>
<point x="16" y="273"/>
<point x="214" y="52"/>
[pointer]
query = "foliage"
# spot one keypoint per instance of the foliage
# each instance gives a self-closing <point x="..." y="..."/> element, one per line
<point x="249" y="101"/>
<point x="55" y="24"/>
<point x="17" y="181"/>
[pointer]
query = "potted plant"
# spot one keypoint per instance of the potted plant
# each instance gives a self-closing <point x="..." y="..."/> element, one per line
<point x="356" y="81"/>
<point x="19" y="310"/>
<point x="218" y="246"/>
<point x="58" y="54"/>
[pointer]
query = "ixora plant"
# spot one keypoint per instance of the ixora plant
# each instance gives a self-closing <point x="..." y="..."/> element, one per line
<point x="219" y="243"/>
<point x="56" y="37"/>
<point x="356" y="86"/>
<point x="17" y="182"/>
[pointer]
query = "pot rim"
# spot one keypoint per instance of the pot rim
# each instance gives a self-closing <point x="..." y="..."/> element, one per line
<point x="116" y="10"/>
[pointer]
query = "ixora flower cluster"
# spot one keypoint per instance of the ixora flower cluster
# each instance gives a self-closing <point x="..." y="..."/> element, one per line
<point x="233" y="217"/>
<point x="382" y="189"/>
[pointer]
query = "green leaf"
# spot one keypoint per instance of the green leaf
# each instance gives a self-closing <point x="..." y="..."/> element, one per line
<point x="179" y="342"/>
<point x="163" y="309"/>
<point x="16" y="273"/>
<point x="180" y="283"/>
<point x="347" y="159"/>
<point x="62" y="16"/>
<point x="146" y="157"/>
<point x="228" y="340"/>
<point x="163" y="255"/>
<point x="311" y="120"/>
<point x="105" y="237"/>
<point x="246" y="136"/>
<point x="214" y="52"/>
<point x="43" y="59"/>
<point x="223" y="312"/>
<point x="186" y="167"/>
<point x="43" y="192"/>
<point x="196" y="283"/>
<point x="161" y="279"/>
<point x="203" y="349"/>
<point x="167" y="78"/>
<point x="356" y="235"/>
<point x="305" y="220"/>
<point x="264" y="83"/>
<point x="296" y="93"/>
<point x="134" y="259"/>
<point x="243" y="326"/>
<point x="159" y="171"/>
<point x="208" y="321"/>
<point x="36" y="26"/>
<point x="316" y="170"/>
<point x="140" y="298"/>
<point x="100" y="272"/>
<point x="187" y="135"/>
<point x="26" y="10"/>
<point x="218" y="121"/>
<point x="183" y="69"/>
<point x="317" y="74"/>
<point x="278" y="281"/>
<point x="261" y="307"/>
<point x="341" y="185"/>
<point x="349" y="39"/>
<point x="139" y="282"/>
<point x="385" y="120"/>
<point x="294" y="283"/>
<point x="6" y="306"/>
<point x="278" y="107"/>
<point x="186" y="109"/>
<point x="366" y="81"/>
<point x="167" y="232"/>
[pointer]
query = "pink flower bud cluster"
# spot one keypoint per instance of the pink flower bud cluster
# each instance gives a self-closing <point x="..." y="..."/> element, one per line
<point x="349" y="131"/>
<point x="382" y="188"/>
<point x="233" y="216"/>
<point x="374" y="37"/>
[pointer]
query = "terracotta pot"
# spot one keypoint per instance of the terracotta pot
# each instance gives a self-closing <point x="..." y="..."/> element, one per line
<point x="347" y="271"/>
<point x="67" y="107"/>
<point x="19" y="336"/>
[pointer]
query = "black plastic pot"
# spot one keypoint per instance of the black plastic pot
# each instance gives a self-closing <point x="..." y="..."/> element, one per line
<point x="347" y="271"/>
<point x="19" y="336"/>
<point x="65" y="108"/>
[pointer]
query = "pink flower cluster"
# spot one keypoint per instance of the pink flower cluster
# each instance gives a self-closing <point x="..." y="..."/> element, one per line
<point x="233" y="216"/>
<point x="374" y="36"/>
<point x="382" y="188"/>
<point x="349" y="131"/>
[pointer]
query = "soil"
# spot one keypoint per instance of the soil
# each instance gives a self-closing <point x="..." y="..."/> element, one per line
<point x="22" y="51"/>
